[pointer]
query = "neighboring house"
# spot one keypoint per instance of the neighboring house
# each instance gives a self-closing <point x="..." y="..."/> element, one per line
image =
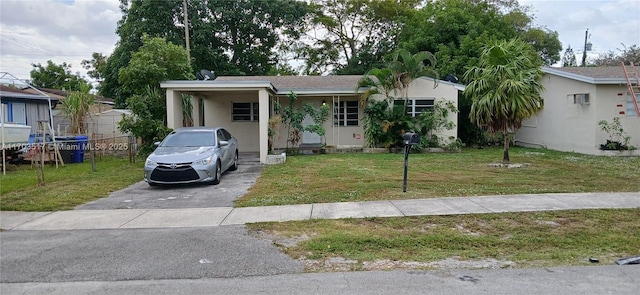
<point x="61" y="121"/>
<point x="575" y="100"/>
<point x="243" y="105"/>
<point x="23" y="107"/>
<point x="104" y="125"/>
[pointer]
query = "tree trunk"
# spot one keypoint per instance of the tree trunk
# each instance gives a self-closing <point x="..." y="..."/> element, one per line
<point x="505" y="155"/>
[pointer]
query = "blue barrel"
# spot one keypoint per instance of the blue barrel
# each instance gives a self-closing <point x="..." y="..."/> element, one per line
<point x="78" y="154"/>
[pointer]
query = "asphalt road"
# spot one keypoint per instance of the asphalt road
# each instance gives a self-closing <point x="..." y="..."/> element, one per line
<point x="138" y="254"/>
<point x="234" y="184"/>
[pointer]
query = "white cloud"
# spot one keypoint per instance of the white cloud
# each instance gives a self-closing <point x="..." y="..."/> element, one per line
<point x="34" y="31"/>
<point x="610" y="23"/>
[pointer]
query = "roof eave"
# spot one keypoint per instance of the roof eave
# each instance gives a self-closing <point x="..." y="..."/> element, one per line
<point x="582" y="78"/>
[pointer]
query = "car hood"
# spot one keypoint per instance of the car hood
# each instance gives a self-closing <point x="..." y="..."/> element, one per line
<point x="180" y="154"/>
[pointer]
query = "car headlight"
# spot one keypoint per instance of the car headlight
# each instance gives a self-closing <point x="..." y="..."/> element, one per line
<point x="150" y="163"/>
<point x="205" y="161"/>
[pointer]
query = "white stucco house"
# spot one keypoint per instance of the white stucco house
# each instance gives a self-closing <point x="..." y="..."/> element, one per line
<point x="244" y="104"/>
<point x="575" y="100"/>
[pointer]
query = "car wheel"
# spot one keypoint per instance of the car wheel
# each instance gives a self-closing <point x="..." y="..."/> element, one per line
<point x="218" y="175"/>
<point x="234" y="167"/>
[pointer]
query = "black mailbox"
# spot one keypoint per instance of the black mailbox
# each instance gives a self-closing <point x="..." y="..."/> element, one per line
<point x="411" y="138"/>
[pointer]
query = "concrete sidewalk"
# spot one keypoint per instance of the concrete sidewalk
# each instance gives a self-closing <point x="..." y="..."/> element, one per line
<point x="171" y="218"/>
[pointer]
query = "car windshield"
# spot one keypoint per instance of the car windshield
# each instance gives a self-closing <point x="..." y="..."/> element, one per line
<point x="196" y="138"/>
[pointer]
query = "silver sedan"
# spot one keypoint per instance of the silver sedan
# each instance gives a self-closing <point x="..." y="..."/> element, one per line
<point x="192" y="155"/>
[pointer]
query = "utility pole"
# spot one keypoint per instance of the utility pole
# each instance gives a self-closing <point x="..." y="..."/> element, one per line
<point x="186" y="30"/>
<point x="584" y="52"/>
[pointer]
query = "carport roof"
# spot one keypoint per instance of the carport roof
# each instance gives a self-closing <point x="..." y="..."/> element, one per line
<point x="337" y="84"/>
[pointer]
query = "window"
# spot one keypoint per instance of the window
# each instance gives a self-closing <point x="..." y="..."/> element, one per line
<point x="631" y="108"/>
<point x="581" y="98"/>
<point x="416" y="106"/>
<point x="245" y="111"/>
<point x="345" y="113"/>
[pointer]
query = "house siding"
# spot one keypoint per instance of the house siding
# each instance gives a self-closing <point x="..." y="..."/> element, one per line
<point x="565" y="126"/>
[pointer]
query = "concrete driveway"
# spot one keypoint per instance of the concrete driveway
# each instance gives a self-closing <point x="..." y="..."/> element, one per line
<point x="140" y="195"/>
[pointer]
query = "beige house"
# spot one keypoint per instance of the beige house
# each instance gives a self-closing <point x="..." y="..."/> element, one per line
<point x="244" y="104"/>
<point x="575" y="100"/>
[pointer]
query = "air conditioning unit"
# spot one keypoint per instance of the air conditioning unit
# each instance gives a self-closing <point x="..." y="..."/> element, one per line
<point x="581" y="98"/>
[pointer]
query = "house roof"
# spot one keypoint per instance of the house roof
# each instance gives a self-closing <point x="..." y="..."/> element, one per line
<point x="592" y="75"/>
<point x="7" y="92"/>
<point x="333" y="84"/>
<point x="282" y="83"/>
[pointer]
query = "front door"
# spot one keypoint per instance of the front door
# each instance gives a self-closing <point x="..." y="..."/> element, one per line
<point x="310" y="137"/>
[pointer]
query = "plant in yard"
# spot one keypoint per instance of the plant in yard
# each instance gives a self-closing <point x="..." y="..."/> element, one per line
<point x="292" y="118"/>
<point x="319" y="117"/>
<point x="144" y="123"/>
<point x="407" y="67"/>
<point x="274" y="123"/>
<point x="618" y="139"/>
<point x="505" y="88"/>
<point x="430" y="122"/>
<point x="76" y="108"/>
<point x="384" y="121"/>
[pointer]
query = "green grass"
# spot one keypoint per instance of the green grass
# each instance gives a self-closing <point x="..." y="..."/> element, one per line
<point x="366" y="177"/>
<point x="531" y="239"/>
<point x="66" y="186"/>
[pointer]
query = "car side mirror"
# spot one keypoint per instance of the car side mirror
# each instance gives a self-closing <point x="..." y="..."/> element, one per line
<point x="157" y="143"/>
<point x="223" y="143"/>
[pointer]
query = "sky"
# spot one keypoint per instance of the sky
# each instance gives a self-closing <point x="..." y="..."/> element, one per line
<point x="35" y="31"/>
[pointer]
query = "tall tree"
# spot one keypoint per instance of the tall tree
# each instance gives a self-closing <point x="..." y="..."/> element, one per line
<point x="156" y="61"/>
<point x="95" y="66"/>
<point x="229" y="37"/>
<point x="350" y="36"/>
<point x="569" y="58"/>
<point x="627" y="56"/>
<point x="456" y="32"/>
<point x="56" y="76"/>
<point x="505" y="88"/>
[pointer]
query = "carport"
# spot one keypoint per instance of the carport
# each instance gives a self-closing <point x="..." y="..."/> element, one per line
<point x="244" y="104"/>
<point x="211" y="102"/>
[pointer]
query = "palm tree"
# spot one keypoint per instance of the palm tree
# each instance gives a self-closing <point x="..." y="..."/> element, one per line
<point x="505" y="88"/>
<point x="377" y="81"/>
<point x="408" y="67"/>
<point x="77" y="107"/>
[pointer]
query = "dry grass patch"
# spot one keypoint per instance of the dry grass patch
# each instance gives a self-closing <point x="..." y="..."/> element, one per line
<point x="530" y="239"/>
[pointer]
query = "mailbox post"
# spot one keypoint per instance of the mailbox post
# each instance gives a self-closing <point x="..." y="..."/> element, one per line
<point x="410" y="139"/>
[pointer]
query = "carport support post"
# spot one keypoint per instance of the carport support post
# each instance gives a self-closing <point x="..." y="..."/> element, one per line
<point x="174" y="109"/>
<point x="195" y="110"/>
<point x="263" y="104"/>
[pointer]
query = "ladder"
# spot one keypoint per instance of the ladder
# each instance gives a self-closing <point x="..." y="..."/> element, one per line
<point x="630" y="86"/>
<point x="44" y="147"/>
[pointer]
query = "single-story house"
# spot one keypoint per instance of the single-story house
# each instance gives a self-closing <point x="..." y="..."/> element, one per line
<point x="61" y="121"/>
<point x="575" y="100"/>
<point x="23" y="107"/>
<point x="244" y="104"/>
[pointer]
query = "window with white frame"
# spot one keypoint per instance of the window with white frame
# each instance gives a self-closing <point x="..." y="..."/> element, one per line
<point x="245" y="111"/>
<point x="345" y="113"/>
<point x="416" y="106"/>
<point x="631" y="108"/>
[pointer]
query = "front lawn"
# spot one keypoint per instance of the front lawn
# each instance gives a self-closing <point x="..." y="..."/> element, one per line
<point x="367" y="177"/>
<point x="66" y="186"/>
